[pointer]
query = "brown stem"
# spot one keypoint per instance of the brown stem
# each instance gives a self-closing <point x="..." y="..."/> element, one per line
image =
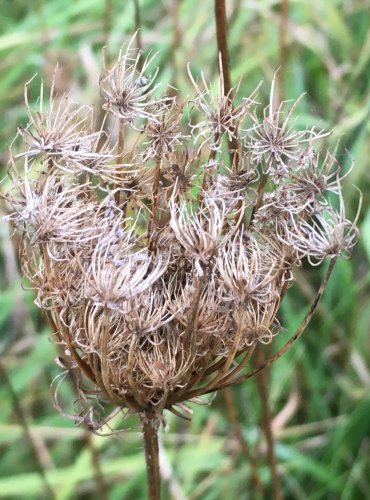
<point x="176" y="40"/>
<point x="138" y="28"/>
<point x="283" y="46"/>
<point x="150" y="430"/>
<point x="262" y="384"/>
<point x="221" y="35"/>
<point x="189" y="337"/>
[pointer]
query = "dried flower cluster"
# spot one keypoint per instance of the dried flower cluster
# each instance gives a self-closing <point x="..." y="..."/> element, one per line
<point x="159" y="264"/>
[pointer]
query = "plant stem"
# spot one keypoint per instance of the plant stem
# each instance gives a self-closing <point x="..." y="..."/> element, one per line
<point x="262" y="384"/>
<point x="150" y="430"/>
<point x="138" y="27"/>
<point x="221" y="34"/>
<point x="176" y="41"/>
<point x="283" y="46"/>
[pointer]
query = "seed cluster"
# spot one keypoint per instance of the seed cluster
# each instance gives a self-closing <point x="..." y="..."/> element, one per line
<point x="159" y="253"/>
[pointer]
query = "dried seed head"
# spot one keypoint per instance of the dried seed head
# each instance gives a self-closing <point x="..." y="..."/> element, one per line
<point x="158" y="266"/>
<point x="275" y="144"/>
<point x="128" y="88"/>
<point x="218" y="114"/>
<point x="164" y="133"/>
<point x="63" y="135"/>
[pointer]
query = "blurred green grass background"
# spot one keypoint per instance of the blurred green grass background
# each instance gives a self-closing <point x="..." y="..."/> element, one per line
<point x="319" y="391"/>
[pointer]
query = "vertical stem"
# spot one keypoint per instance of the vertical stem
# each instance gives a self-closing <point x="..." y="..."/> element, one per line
<point x="221" y="34"/>
<point x="101" y="122"/>
<point x="138" y="26"/>
<point x="262" y="379"/>
<point x="150" y="430"/>
<point x="283" y="46"/>
<point x="176" y="40"/>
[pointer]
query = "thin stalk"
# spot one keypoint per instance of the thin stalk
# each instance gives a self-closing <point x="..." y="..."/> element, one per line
<point x="101" y="122"/>
<point x="192" y="393"/>
<point x="150" y="430"/>
<point x="130" y="372"/>
<point x="176" y="40"/>
<point x="266" y="420"/>
<point x="138" y="28"/>
<point x="283" y="46"/>
<point x="194" y="310"/>
<point x="221" y="35"/>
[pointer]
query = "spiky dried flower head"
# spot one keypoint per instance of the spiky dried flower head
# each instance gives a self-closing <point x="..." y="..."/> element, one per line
<point x="218" y="113"/>
<point x="128" y="88"/>
<point x="160" y="268"/>
<point x="274" y="142"/>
